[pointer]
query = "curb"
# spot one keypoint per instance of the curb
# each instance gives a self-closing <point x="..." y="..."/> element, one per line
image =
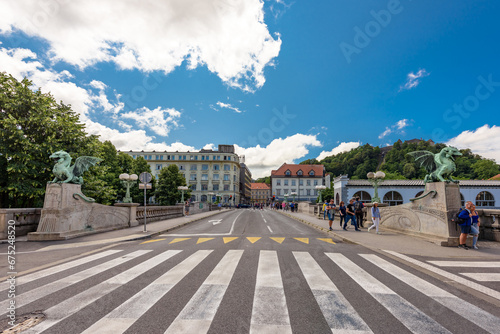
<point x="325" y="230"/>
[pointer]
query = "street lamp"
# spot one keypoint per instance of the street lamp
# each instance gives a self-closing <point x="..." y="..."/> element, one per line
<point x="375" y="179"/>
<point x="293" y="194"/>
<point x="320" y="189"/>
<point x="127" y="181"/>
<point x="182" y="189"/>
<point x="286" y="197"/>
<point x="211" y="197"/>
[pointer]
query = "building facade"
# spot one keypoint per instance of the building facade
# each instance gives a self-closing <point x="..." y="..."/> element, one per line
<point x="261" y="193"/>
<point x="245" y="182"/>
<point x="299" y="179"/>
<point x="484" y="193"/>
<point x="208" y="173"/>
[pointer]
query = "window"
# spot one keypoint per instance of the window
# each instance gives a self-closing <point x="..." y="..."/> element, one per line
<point x="299" y="173"/>
<point x="216" y="167"/>
<point x="294" y="183"/>
<point x="288" y="172"/>
<point x="311" y="173"/>
<point x="202" y="157"/>
<point x="204" y="187"/>
<point x="183" y="157"/>
<point x="393" y="198"/>
<point x="226" y="177"/>
<point x="278" y="182"/>
<point x="285" y="191"/>
<point x="193" y="198"/>
<point x="227" y="167"/>
<point x="337" y="199"/>
<point x="215" y="177"/>
<point x="286" y="183"/>
<point x="182" y="167"/>
<point x="133" y="157"/>
<point x="157" y="157"/>
<point x="192" y="177"/>
<point x="234" y="168"/>
<point x="462" y="200"/>
<point x="308" y="192"/>
<point x="315" y="182"/>
<point x="278" y="192"/>
<point x="204" y="167"/>
<point x="204" y="177"/>
<point x="158" y="167"/>
<point x="364" y="197"/>
<point x="215" y="187"/>
<point x="193" y="187"/>
<point x="308" y="182"/>
<point x="301" y="182"/>
<point x="203" y="198"/>
<point x="194" y="167"/>
<point x="234" y="178"/>
<point x="485" y="198"/>
<point x="226" y="187"/>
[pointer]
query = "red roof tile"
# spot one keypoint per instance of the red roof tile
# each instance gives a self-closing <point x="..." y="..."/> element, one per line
<point x="259" y="186"/>
<point x="318" y="170"/>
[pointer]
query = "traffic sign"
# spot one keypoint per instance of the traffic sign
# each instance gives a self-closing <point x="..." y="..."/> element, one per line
<point x="148" y="185"/>
<point x="145" y="177"/>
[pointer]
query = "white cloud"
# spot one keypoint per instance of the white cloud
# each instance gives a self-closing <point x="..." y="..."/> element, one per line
<point x="482" y="141"/>
<point x="397" y="128"/>
<point x="228" y="106"/>
<point x="413" y="79"/>
<point x="158" y="120"/>
<point x="230" y="38"/>
<point x="261" y="160"/>
<point x="343" y="147"/>
<point x="210" y="146"/>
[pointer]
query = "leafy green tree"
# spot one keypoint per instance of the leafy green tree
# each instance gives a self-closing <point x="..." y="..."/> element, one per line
<point x="266" y="180"/>
<point x="140" y="165"/>
<point x="33" y="126"/>
<point x="485" y="169"/>
<point x="327" y="195"/>
<point x="168" y="181"/>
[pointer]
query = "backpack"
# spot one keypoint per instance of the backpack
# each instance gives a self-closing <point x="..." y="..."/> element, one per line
<point x="458" y="220"/>
<point x="358" y="208"/>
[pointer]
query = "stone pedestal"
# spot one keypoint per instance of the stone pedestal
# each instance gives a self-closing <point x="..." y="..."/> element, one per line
<point x="430" y="215"/>
<point x="66" y="215"/>
<point x="132" y="212"/>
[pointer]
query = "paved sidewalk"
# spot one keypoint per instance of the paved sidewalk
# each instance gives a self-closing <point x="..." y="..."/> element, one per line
<point x="133" y="233"/>
<point x="398" y="242"/>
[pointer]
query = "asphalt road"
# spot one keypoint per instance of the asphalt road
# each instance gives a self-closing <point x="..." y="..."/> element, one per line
<point x="245" y="271"/>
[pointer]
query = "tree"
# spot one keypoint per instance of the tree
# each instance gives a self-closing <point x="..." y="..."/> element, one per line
<point x="485" y="169"/>
<point x="326" y="195"/>
<point x="33" y="126"/>
<point x="265" y="179"/>
<point x="139" y="166"/>
<point x="168" y="181"/>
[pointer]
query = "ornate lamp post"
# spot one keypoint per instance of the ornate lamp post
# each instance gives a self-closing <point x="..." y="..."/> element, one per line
<point x="320" y="189"/>
<point x="127" y="181"/>
<point x="375" y="179"/>
<point x="293" y="194"/>
<point x="286" y="197"/>
<point x="182" y="189"/>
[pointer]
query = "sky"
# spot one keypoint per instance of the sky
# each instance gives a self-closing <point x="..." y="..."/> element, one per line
<point x="282" y="80"/>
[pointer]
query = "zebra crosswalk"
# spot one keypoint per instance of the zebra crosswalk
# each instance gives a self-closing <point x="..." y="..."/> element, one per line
<point x="341" y="287"/>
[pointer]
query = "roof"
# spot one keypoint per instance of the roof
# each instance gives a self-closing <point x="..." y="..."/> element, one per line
<point x="496" y="178"/>
<point x="318" y="170"/>
<point x="259" y="186"/>
<point x="420" y="183"/>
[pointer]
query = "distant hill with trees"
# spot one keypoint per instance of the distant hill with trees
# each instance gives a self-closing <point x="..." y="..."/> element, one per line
<point x="394" y="161"/>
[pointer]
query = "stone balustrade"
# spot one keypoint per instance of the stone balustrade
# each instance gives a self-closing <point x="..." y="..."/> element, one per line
<point x="26" y="220"/>
<point x="157" y="213"/>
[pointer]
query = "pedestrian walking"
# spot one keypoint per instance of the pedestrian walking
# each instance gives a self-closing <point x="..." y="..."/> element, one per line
<point x="358" y="211"/>
<point x="186" y="208"/>
<point x="342" y="212"/>
<point x="465" y="224"/>
<point x="331" y="213"/>
<point x="475" y="226"/>
<point x="375" y="217"/>
<point x="324" y="209"/>
<point x="350" y="216"/>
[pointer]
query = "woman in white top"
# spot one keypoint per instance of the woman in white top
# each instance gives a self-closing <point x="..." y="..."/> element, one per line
<point x="375" y="217"/>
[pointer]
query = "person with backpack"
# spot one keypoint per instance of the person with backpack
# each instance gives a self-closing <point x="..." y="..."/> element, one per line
<point x="465" y="223"/>
<point x="350" y="216"/>
<point x="331" y="213"/>
<point x="475" y="226"/>
<point x="342" y="212"/>
<point x="358" y="211"/>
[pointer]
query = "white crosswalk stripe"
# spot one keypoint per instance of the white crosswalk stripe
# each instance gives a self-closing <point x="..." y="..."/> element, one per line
<point x="414" y="319"/>
<point x="269" y="294"/>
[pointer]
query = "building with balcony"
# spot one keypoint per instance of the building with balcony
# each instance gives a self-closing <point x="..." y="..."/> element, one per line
<point x="206" y="171"/>
<point x="245" y="182"/>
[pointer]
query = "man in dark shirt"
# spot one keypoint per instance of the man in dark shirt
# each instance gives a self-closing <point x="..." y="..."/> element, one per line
<point x="358" y="211"/>
<point x="350" y="215"/>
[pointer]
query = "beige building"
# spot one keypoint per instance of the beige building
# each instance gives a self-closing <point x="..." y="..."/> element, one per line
<point x="208" y="173"/>
<point x="261" y="193"/>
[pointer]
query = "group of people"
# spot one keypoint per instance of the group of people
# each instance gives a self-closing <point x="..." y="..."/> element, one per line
<point x="469" y="224"/>
<point x="352" y="212"/>
<point x="285" y="206"/>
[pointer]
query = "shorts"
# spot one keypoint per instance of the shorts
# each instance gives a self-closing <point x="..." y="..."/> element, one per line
<point x="465" y="229"/>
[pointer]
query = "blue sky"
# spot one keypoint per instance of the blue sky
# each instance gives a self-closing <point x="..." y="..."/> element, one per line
<point x="284" y="81"/>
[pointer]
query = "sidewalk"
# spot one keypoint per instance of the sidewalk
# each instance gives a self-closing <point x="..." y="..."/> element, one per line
<point x="397" y="242"/>
<point x="132" y="233"/>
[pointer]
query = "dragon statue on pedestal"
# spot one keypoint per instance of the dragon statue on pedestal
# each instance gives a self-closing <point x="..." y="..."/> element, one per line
<point x="64" y="173"/>
<point x="439" y="165"/>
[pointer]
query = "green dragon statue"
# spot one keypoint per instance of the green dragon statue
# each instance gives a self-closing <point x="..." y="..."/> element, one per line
<point x="439" y="165"/>
<point x="64" y="173"/>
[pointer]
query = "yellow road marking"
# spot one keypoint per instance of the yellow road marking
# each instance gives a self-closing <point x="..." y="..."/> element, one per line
<point x="330" y="241"/>
<point x="304" y="240"/>
<point x="253" y="239"/>
<point x="278" y="240"/>
<point x="178" y="240"/>
<point x="147" y="242"/>
<point x="226" y="240"/>
<point x="200" y="240"/>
